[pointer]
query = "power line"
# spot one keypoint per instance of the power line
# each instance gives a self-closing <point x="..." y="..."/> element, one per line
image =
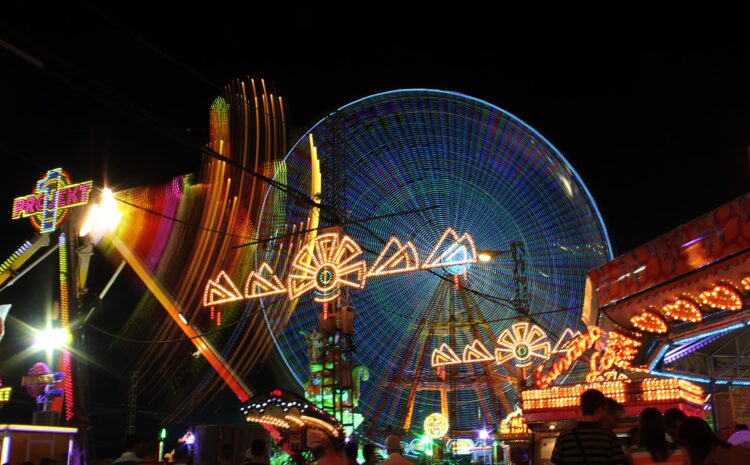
<point x="160" y="341"/>
<point x="345" y="223"/>
<point x="105" y="95"/>
<point x="177" y="220"/>
<point x="149" y="45"/>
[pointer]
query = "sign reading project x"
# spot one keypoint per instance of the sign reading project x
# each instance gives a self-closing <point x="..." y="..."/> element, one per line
<point x="51" y="200"/>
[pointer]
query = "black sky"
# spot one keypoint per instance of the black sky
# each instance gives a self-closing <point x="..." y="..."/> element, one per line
<point x="656" y="121"/>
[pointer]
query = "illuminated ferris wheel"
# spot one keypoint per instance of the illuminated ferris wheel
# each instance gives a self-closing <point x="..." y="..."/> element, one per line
<point x="411" y="165"/>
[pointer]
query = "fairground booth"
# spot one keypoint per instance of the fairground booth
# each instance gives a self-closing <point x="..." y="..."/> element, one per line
<point x="685" y="296"/>
<point x="668" y="328"/>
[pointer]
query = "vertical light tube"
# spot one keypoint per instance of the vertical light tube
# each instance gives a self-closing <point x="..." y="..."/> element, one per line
<point x="65" y="319"/>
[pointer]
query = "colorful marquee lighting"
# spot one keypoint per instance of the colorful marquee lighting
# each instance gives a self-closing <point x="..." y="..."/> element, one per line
<point x="683" y="309"/>
<point x="268" y="420"/>
<point x="522" y="342"/>
<point x="6" y="265"/>
<point x="288" y="413"/>
<point x="650" y="322"/>
<point x="395" y="258"/>
<point x="321" y="424"/>
<point x="623" y="348"/>
<point x="619" y="351"/>
<point x="573" y="353"/>
<point x="65" y="320"/>
<point x="722" y="297"/>
<point x="656" y="389"/>
<point x="220" y="290"/>
<point x="325" y="266"/>
<point x="622" y="390"/>
<point x="294" y="419"/>
<point x="476" y="352"/>
<point x="568" y="396"/>
<point x="263" y="283"/>
<point x="745" y="283"/>
<point x="460" y="251"/>
<point x="51" y="200"/>
<point x="436" y="425"/>
<point x="444" y="355"/>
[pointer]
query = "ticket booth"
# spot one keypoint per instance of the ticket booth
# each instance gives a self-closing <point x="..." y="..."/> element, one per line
<point x="30" y="443"/>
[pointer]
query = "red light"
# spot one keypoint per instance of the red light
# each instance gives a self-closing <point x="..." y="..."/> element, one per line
<point x="68" y="386"/>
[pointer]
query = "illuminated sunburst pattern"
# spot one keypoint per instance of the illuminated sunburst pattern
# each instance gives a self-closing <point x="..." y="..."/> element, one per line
<point x="524" y="343"/>
<point x="327" y="265"/>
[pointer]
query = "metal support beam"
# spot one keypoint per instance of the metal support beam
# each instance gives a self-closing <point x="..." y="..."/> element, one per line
<point x="39" y="260"/>
<point x="173" y="308"/>
<point x="739" y="359"/>
<point x="731" y="340"/>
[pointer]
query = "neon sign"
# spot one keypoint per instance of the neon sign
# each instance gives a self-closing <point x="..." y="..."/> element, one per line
<point x="574" y="352"/>
<point x="619" y="352"/>
<point x="514" y="423"/>
<point x="51" y="201"/>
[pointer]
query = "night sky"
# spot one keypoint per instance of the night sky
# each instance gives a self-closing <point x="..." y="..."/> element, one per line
<point x="656" y="122"/>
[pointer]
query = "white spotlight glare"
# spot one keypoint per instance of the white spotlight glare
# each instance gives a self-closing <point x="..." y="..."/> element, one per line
<point x="52" y="339"/>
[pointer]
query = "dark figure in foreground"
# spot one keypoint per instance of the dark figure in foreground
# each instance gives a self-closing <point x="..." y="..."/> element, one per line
<point x="707" y="449"/>
<point x="673" y="419"/>
<point x="133" y="451"/>
<point x="651" y="443"/>
<point x="613" y="411"/>
<point x="588" y="443"/>
<point x="369" y="454"/>
<point x="256" y="454"/>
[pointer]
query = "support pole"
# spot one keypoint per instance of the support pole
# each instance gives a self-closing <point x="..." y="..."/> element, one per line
<point x="713" y="406"/>
<point x="206" y="349"/>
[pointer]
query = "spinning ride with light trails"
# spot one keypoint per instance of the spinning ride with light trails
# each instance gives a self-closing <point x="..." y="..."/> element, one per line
<point x="420" y="181"/>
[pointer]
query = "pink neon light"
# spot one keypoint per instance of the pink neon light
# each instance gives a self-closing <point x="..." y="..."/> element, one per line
<point x="18" y="206"/>
<point x="68" y="384"/>
<point x="171" y="204"/>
